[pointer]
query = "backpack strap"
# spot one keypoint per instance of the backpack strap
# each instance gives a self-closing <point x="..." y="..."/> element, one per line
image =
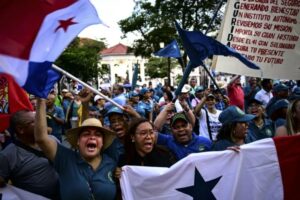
<point x="208" y="126"/>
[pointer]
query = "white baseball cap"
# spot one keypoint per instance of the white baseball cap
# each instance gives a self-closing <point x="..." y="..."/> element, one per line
<point x="97" y="97"/>
<point x="186" y="88"/>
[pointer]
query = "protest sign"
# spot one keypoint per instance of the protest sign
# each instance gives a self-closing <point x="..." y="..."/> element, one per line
<point x="267" y="33"/>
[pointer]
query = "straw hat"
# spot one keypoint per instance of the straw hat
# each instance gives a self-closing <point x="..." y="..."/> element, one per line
<point x="72" y="134"/>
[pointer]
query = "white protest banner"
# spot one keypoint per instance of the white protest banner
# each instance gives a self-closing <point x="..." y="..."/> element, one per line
<point x="265" y="169"/>
<point x="265" y="31"/>
<point x="10" y="192"/>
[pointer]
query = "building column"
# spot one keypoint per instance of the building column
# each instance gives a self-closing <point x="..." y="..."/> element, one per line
<point x="142" y="70"/>
<point x="130" y="70"/>
<point x="112" y="72"/>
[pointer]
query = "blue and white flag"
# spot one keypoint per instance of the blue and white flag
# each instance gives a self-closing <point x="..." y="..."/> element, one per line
<point x="170" y="51"/>
<point x="10" y="192"/>
<point x="33" y="33"/>
<point x="199" y="47"/>
<point x="266" y="169"/>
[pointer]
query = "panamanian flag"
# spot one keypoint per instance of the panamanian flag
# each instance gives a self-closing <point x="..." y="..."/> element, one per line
<point x="266" y="169"/>
<point x="33" y="33"/>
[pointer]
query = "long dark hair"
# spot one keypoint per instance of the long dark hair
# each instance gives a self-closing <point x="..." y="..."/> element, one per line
<point x="169" y="95"/>
<point x="225" y="131"/>
<point x="128" y="144"/>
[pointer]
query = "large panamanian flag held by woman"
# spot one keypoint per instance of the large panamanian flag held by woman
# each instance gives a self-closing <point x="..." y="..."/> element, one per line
<point x="266" y="169"/>
<point x="33" y="33"/>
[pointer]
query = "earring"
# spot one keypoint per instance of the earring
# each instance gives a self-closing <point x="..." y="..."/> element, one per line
<point x="132" y="140"/>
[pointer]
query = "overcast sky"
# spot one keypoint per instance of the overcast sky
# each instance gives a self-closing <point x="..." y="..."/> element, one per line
<point x="110" y="11"/>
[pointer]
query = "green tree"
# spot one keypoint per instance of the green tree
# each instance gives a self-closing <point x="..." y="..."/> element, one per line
<point x="155" y="21"/>
<point x="158" y="67"/>
<point x="81" y="58"/>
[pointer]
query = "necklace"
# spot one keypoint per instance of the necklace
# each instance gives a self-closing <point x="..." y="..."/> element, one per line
<point x="259" y="124"/>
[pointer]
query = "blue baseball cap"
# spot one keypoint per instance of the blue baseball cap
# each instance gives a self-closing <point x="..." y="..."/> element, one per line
<point x="234" y="114"/>
<point x="296" y="91"/>
<point x="144" y="91"/>
<point x="133" y="94"/>
<point x="253" y="100"/>
<point x="114" y="110"/>
<point x="295" y="94"/>
<point x="199" y="89"/>
<point x="280" y="87"/>
<point x="280" y="104"/>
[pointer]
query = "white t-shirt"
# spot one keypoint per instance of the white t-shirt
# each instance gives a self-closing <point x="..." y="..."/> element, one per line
<point x="214" y="123"/>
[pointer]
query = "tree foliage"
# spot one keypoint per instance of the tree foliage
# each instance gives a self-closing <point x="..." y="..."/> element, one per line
<point x="158" y="67"/>
<point x="81" y="58"/>
<point x="155" y="21"/>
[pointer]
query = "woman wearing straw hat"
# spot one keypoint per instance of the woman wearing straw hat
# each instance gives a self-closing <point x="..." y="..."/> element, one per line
<point x="85" y="173"/>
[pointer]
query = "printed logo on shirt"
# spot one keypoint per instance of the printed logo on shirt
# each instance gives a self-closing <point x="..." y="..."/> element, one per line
<point x="201" y="148"/>
<point x="269" y="132"/>
<point x="110" y="177"/>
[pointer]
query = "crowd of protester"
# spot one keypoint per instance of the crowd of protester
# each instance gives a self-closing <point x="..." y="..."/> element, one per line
<point x="74" y="145"/>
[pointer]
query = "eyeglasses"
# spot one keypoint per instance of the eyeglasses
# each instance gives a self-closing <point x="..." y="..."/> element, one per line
<point x="145" y="133"/>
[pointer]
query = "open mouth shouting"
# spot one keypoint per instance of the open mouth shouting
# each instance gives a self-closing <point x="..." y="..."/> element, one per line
<point x="91" y="145"/>
<point x="148" y="145"/>
<point x="119" y="131"/>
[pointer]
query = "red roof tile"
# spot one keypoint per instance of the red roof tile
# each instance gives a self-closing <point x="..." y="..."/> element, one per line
<point x="115" y="50"/>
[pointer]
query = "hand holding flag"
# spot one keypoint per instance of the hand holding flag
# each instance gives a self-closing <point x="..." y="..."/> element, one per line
<point x="36" y="34"/>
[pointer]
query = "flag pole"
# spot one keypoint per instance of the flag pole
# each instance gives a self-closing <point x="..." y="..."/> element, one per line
<point x="85" y="85"/>
<point x="211" y="77"/>
<point x="189" y="66"/>
<point x="185" y="76"/>
<point x="214" y="17"/>
<point x="208" y="28"/>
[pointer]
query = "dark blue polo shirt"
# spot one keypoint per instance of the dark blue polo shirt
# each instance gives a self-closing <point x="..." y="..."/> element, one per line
<point x="255" y="133"/>
<point x="223" y="144"/>
<point x="197" y="144"/>
<point x="79" y="181"/>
